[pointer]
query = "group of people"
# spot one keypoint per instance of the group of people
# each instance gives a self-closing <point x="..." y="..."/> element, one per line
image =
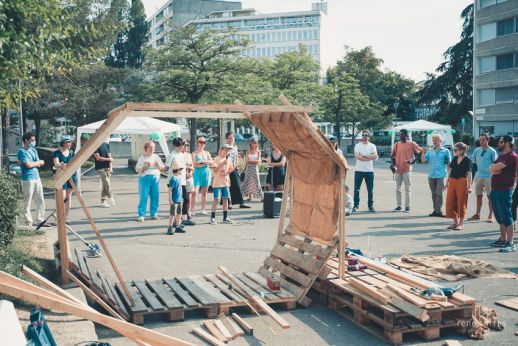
<point x="491" y="174"/>
<point x="191" y="174"/>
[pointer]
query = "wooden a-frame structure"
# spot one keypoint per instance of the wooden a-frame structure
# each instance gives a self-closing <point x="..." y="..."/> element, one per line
<point x="315" y="181"/>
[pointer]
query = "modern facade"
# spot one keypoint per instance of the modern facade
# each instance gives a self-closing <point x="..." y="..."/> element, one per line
<point x="495" y="67"/>
<point x="276" y="33"/>
<point x="175" y="13"/>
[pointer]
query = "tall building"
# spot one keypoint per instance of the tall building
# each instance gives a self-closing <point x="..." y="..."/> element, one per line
<point x="495" y="67"/>
<point x="272" y="34"/>
<point x="175" y="13"/>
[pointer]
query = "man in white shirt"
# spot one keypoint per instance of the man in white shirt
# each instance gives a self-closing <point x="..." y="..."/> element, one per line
<point x="365" y="153"/>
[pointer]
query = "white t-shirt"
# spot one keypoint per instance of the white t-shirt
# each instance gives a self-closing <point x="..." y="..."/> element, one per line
<point x="365" y="149"/>
<point x="154" y="161"/>
<point x="180" y="159"/>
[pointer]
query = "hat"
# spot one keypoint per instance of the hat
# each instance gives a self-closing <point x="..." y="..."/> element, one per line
<point x="65" y="139"/>
<point x="226" y="146"/>
<point x="508" y="139"/>
<point x="176" y="166"/>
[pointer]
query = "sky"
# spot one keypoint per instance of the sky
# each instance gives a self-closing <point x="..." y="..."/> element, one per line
<point x="409" y="35"/>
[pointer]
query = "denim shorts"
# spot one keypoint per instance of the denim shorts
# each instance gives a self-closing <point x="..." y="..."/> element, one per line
<point x="502" y="202"/>
<point x="221" y="191"/>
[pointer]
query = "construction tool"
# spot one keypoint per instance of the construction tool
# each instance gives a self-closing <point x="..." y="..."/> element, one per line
<point x="93" y="249"/>
<point x="53" y="214"/>
<point x="438" y="291"/>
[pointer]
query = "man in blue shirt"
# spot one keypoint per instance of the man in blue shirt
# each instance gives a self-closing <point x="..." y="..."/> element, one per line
<point x="438" y="159"/>
<point x="483" y="157"/>
<point x="31" y="182"/>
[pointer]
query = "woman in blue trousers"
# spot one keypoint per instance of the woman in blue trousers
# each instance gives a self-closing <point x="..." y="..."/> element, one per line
<point x="149" y="166"/>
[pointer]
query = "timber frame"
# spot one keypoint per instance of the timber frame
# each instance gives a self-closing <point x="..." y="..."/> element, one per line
<point x="286" y="113"/>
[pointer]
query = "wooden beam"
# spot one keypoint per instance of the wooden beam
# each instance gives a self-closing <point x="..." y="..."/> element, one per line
<point x="368" y="290"/>
<point x="129" y="330"/>
<point x="408" y="296"/>
<point x="199" y="107"/>
<point x="341" y="224"/>
<point x="243" y="324"/>
<point x="207" y="337"/>
<point x="215" y="331"/>
<point x="49" y="285"/>
<point x="197" y="115"/>
<point x="223" y="329"/>
<point x="232" y="326"/>
<point x="115" y="118"/>
<point x="101" y="241"/>
<point x="284" y="205"/>
<point x="62" y="233"/>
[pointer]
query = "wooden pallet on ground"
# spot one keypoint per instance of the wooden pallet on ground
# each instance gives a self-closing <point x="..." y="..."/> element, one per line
<point x="298" y="260"/>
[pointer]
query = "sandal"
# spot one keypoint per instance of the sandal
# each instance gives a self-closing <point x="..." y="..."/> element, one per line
<point x="490" y="220"/>
<point x="452" y="226"/>
<point x="458" y="228"/>
<point x="475" y="217"/>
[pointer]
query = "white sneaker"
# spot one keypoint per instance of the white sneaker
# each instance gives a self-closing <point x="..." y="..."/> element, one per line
<point x="140" y="219"/>
<point x="204" y="212"/>
<point x="104" y="204"/>
<point x="228" y="220"/>
<point x="112" y="201"/>
<point x="213" y="221"/>
<point x="155" y="217"/>
<point x="192" y="213"/>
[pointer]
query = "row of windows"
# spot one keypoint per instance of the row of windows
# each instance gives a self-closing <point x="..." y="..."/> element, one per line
<point x="162" y="14"/>
<point x="160" y="28"/>
<point x="499" y="62"/>
<point x="493" y="30"/>
<point x="283" y="36"/>
<point x="270" y="52"/>
<point x="489" y="97"/>
<point x="264" y="23"/>
<point x="486" y="3"/>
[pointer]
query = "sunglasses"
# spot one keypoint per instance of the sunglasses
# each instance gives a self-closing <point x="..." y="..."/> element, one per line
<point x="365" y="136"/>
<point x="202" y="142"/>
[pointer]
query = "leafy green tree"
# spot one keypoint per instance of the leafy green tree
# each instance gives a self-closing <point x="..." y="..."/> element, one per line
<point x="136" y="34"/>
<point x="118" y="53"/>
<point x="450" y="88"/>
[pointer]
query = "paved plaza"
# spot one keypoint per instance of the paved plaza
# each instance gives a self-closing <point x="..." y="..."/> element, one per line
<point x="144" y="251"/>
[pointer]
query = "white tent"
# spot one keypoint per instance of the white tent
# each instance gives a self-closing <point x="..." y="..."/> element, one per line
<point x="139" y="127"/>
<point x="422" y="125"/>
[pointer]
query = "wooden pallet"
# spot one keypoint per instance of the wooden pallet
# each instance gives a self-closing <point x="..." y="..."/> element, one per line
<point x="209" y="294"/>
<point x="299" y="261"/>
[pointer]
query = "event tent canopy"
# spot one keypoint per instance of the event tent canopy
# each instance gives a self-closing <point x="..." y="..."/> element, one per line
<point x="422" y="125"/>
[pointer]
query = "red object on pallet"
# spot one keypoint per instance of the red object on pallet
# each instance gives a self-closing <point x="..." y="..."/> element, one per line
<point x="356" y="267"/>
<point x="352" y="260"/>
<point x="273" y="282"/>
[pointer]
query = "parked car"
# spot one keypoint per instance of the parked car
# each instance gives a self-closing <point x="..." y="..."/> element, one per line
<point x="238" y="137"/>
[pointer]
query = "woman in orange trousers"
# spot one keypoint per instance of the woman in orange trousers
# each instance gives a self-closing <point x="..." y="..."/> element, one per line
<point x="459" y="186"/>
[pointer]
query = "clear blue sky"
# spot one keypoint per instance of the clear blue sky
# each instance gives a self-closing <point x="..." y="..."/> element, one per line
<point x="409" y="35"/>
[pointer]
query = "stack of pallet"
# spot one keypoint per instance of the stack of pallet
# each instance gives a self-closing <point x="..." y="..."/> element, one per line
<point x="380" y="300"/>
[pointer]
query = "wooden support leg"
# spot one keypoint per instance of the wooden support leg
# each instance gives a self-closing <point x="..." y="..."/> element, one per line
<point x="62" y="234"/>
<point x="176" y="315"/>
<point x="341" y="224"/>
<point x="285" y="195"/>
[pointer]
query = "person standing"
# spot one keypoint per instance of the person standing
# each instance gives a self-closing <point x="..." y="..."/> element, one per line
<point x="236" y="197"/>
<point x="252" y="184"/>
<point x="221" y="167"/>
<point x="503" y="180"/>
<point x="403" y="157"/>
<point x="30" y="179"/>
<point x="149" y="166"/>
<point x="61" y="158"/>
<point x="104" y="167"/>
<point x="365" y="153"/>
<point x="276" y="171"/>
<point x="458" y="186"/>
<point x="175" y="201"/>
<point x="438" y="159"/>
<point x="178" y="156"/>
<point x="189" y="178"/>
<point x="334" y="143"/>
<point x="202" y="174"/>
<point x="483" y="157"/>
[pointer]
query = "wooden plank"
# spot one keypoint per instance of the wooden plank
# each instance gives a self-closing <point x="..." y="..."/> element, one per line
<point x="452" y="343"/>
<point x="293" y="274"/>
<point x="284" y="203"/>
<point x="341" y="224"/>
<point x="62" y="232"/>
<point x="82" y="265"/>
<point x="223" y="329"/>
<point x="183" y="294"/>
<point x="509" y="303"/>
<point x="215" y="331"/>
<point x="166" y="296"/>
<point x="138" y="306"/>
<point x="109" y="285"/>
<point x="224" y="288"/>
<point x="369" y="290"/>
<point x="408" y="296"/>
<point x="232" y="326"/>
<point x="106" y="288"/>
<point x="210" y="289"/>
<point x="149" y="296"/>
<point x="207" y="337"/>
<point x="93" y="274"/>
<point x="200" y="107"/>
<point x="244" y="290"/>
<point x="312" y="249"/>
<point x="405" y="306"/>
<point x="268" y="310"/>
<point x="304" y="262"/>
<point x="197" y="292"/>
<point x="464" y="299"/>
<point x="262" y="281"/>
<point x="258" y="289"/>
<point x="243" y="324"/>
<point x="294" y="289"/>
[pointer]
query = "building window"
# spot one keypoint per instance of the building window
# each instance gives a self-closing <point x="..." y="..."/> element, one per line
<point x="486" y="97"/>
<point x="487" y="64"/>
<point x="487" y="32"/>
<point x="504" y="95"/>
<point x="505" y="27"/>
<point x="504" y="61"/>
<point x="486" y="3"/>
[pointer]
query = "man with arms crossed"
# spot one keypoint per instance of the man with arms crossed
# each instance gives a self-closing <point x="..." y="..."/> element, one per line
<point x="365" y="153"/>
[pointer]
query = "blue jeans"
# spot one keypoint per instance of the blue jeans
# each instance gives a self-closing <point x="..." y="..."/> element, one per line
<point x="502" y="202"/>
<point x="369" y="181"/>
<point x="148" y="186"/>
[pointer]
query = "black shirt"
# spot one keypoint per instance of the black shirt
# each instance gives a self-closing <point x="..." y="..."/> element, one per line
<point x="103" y="151"/>
<point x="460" y="170"/>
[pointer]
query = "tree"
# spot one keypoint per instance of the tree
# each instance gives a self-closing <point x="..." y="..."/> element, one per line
<point x="136" y="35"/>
<point x="450" y="88"/>
<point x="118" y="54"/>
<point x="194" y="65"/>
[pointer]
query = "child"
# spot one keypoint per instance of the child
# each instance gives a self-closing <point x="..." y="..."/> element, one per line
<point x="349" y="202"/>
<point x="222" y="167"/>
<point x="175" y="200"/>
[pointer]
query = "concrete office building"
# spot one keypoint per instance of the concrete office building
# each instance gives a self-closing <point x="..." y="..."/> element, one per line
<point x="175" y="13"/>
<point x="276" y="33"/>
<point x="495" y="67"/>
